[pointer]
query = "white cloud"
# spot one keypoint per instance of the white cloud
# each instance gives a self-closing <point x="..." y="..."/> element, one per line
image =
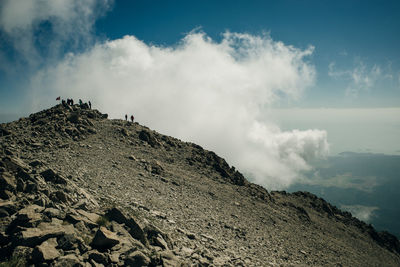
<point x="361" y="78"/>
<point x="68" y="21"/>
<point x="211" y="93"/>
<point x="363" y="213"/>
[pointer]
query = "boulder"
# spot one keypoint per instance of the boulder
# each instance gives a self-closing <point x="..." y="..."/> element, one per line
<point x="36" y="163"/>
<point x="29" y="216"/>
<point x="46" y="251"/>
<point x="135" y="229"/>
<point x="74" y="117"/>
<point x="50" y="176"/>
<point x="104" y="239"/>
<point x="34" y="236"/>
<point x="148" y="137"/>
<point x="59" y="196"/>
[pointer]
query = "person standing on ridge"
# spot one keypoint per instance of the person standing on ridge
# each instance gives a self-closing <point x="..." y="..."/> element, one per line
<point x="132" y="118"/>
<point x="90" y="105"/>
<point x="126" y="117"/>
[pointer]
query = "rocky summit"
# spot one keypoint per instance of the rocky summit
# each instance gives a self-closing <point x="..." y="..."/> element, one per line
<point x="78" y="189"/>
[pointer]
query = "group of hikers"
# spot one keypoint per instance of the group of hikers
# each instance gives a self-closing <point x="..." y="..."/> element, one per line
<point x="126" y="117"/>
<point x="70" y="102"/>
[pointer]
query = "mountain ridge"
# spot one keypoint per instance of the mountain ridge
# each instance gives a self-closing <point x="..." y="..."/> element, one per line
<point x="179" y="204"/>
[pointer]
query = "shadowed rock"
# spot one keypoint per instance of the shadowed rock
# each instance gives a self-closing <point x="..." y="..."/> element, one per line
<point x="104" y="239"/>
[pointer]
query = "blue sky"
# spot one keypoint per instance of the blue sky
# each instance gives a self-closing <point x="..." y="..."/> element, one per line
<point x="269" y="85"/>
<point x="346" y="33"/>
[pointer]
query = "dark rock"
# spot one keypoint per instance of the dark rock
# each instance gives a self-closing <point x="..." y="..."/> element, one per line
<point x="4" y="132"/>
<point x="4" y="239"/>
<point x="59" y="196"/>
<point x="91" y="130"/>
<point x="9" y="206"/>
<point x="36" y="163"/>
<point x="31" y="187"/>
<point x="136" y="259"/>
<point x="104" y="239"/>
<point x="50" y="176"/>
<point x="21" y="186"/>
<point x="74" y="117"/>
<point x="3" y="213"/>
<point x="5" y="194"/>
<point x="7" y="182"/>
<point x="84" y="106"/>
<point x="98" y="257"/>
<point x="148" y="137"/>
<point x="69" y="241"/>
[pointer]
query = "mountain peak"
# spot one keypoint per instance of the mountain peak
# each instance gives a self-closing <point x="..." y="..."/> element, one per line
<point x="78" y="189"/>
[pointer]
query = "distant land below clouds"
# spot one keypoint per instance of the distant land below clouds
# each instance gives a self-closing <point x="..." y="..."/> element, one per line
<point x="365" y="184"/>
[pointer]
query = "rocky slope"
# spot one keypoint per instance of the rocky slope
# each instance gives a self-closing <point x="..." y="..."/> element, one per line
<point x="78" y="189"/>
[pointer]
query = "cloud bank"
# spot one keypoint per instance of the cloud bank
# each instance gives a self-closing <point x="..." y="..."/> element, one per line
<point x="41" y="29"/>
<point x="199" y="90"/>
